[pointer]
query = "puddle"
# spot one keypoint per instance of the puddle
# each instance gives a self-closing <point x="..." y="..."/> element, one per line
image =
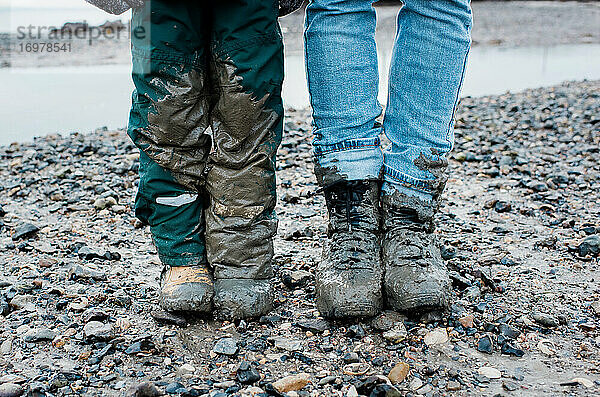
<point x="39" y="101"/>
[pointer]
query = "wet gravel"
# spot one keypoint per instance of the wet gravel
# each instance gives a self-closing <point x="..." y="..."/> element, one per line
<point x="520" y="225"/>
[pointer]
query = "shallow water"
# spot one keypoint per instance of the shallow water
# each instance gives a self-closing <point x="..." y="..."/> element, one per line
<point x="39" y="101"/>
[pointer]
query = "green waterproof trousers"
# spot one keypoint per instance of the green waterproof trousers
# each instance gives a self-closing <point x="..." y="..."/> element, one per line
<point x="207" y="117"/>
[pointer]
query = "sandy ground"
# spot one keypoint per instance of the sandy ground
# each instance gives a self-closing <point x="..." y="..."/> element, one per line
<point x="523" y="23"/>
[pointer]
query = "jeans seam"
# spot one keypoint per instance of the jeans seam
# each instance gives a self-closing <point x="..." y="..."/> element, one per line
<point x="407" y="180"/>
<point x="457" y="99"/>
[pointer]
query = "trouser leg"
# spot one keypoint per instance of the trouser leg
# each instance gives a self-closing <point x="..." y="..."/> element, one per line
<point x="246" y="120"/>
<point x="427" y="69"/>
<point x="168" y="120"/>
<point x="341" y="60"/>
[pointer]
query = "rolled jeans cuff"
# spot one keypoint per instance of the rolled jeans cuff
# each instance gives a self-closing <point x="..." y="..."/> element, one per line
<point x="396" y="181"/>
<point x="350" y="160"/>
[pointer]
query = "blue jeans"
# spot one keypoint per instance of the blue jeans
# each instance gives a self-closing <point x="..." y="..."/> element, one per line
<point x="427" y="69"/>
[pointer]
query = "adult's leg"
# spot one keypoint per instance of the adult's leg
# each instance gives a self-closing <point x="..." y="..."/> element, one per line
<point x="428" y="65"/>
<point x="247" y="124"/>
<point x="167" y="123"/>
<point x="341" y="59"/>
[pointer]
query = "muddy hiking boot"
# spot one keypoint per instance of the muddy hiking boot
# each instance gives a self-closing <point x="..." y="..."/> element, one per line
<point x="243" y="298"/>
<point x="186" y="289"/>
<point x="349" y="277"/>
<point x="416" y="279"/>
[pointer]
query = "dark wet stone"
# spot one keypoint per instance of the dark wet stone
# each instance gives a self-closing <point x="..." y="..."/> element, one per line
<point x="296" y="279"/>
<point x="502" y="206"/>
<point x="140" y="346"/>
<point x="2" y="211"/>
<point x="313" y="325"/>
<point x="545" y="320"/>
<point x="385" y="391"/>
<point x="367" y="386"/>
<point x="590" y="246"/>
<point x="350" y="358"/>
<point x="175" y="388"/>
<point x="481" y="307"/>
<point x="485" y="344"/>
<point x="356" y="331"/>
<point x="270" y="319"/>
<point x="508" y="332"/>
<point x="509" y="349"/>
<point x="163" y="317"/>
<point x="448" y="252"/>
<point x="247" y="374"/>
<point x="226" y="346"/>
<point x="25" y="230"/>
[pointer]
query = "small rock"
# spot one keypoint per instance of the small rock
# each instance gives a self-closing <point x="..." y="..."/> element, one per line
<point x="292" y="383"/>
<point x="387" y="320"/>
<point x="313" y="325"/>
<point x="466" y="321"/>
<point x="163" y="317"/>
<point x="186" y="369"/>
<point x="352" y="392"/>
<point x="489" y="372"/>
<point x="39" y="335"/>
<point x="226" y="346"/>
<point x="246" y="374"/>
<point x="11" y="390"/>
<point x="291" y="345"/>
<point x="508" y="332"/>
<point x="583" y="381"/>
<point x="485" y="344"/>
<point x="351" y="357"/>
<point x="545" y="320"/>
<point x="438" y="336"/>
<point x="415" y="384"/>
<point x="509" y="349"/>
<point x="296" y="279"/>
<point x="25" y="230"/>
<point x="590" y="246"/>
<point x="175" y="388"/>
<point x="79" y="272"/>
<point x="399" y="373"/>
<point x="453" y="386"/>
<point x="396" y="334"/>
<point x="510" y="385"/>
<point x="94" y="314"/>
<point x="97" y="331"/>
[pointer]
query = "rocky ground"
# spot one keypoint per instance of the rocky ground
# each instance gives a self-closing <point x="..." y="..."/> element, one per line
<point x="520" y="226"/>
<point x="497" y="23"/>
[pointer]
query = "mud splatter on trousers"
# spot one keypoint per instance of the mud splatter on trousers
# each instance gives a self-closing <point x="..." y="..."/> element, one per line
<point x="207" y="116"/>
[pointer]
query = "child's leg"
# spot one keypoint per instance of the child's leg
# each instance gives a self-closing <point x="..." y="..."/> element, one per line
<point x="247" y="118"/>
<point x="167" y="122"/>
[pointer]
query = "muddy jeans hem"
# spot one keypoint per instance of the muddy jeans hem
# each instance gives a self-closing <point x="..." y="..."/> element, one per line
<point x="182" y="260"/>
<point x="395" y="180"/>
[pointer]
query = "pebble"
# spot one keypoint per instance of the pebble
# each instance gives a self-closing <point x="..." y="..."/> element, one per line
<point x="95" y="330"/>
<point x="291" y="345"/>
<point x="466" y="321"/>
<point x="485" y="344"/>
<point x="545" y="320"/>
<point x="292" y="383"/>
<point x="247" y="374"/>
<point x="438" y="336"/>
<point x="39" y="335"/>
<point x="396" y="334"/>
<point x="489" y="372"/>
<point x="226" y="346"/>
<point x="453" y="386"/>
<point x="25" y="230"/>
<point x="399" y="373"/>
<point x="163" y="317"/>
<point x="11" y="390"/>
<point x="313" y="325"/>
<point x="78" y="272"/>
<point x="351" y="357"/>
<point x="387" y="321"/>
